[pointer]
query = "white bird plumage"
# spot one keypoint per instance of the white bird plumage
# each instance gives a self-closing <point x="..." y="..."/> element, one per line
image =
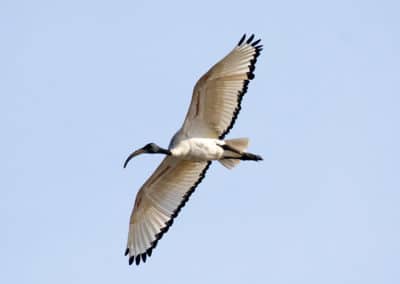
<point x="213" y="110"/>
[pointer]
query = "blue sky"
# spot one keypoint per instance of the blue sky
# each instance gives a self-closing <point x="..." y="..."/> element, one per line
<point x="83" y="83"/>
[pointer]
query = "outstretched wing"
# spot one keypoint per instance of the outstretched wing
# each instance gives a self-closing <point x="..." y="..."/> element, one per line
<point x="217" y="95"/>
<point x="159" y="201"/>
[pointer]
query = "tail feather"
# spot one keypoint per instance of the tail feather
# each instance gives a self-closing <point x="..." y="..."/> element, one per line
<point x="240" y="145"/>
<point x="229" y="163"/>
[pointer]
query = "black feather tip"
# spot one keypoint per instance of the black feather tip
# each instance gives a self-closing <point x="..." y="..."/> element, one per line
<point x="250" y="39"/>
<point x="131" y="260"/>
<point x="241" y="40"/>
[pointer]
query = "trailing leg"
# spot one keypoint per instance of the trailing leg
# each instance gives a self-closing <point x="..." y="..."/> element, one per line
<point x="250" y="157"/>
<point x="234" y="152"/>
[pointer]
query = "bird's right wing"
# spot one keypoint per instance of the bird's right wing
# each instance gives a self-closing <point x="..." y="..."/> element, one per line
<point x="218" y="94"/>
<point x="159" y="201"/>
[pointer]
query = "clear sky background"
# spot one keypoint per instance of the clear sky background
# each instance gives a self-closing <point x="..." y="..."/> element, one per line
<point x="83" y="83"/>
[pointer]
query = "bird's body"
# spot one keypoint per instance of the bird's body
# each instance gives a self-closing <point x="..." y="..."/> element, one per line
<point x="199" y="149"/>
<point x="209" y="149"/>
<point x="212" y="112"/>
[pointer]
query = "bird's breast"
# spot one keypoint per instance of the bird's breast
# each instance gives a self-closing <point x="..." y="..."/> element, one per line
<point x="198" y="149"/>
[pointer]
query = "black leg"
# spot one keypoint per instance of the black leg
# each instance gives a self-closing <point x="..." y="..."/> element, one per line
<point x="247" y="157"/>
<point x="229" y="148"/>
<point x="250" y="157"/>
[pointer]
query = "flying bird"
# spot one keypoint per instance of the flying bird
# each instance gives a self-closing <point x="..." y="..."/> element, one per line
<point x="215" y="105"/>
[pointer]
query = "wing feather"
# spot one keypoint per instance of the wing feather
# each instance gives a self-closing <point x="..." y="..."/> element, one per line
<point x="218" y="94"/>
<point x="159" y="201"/>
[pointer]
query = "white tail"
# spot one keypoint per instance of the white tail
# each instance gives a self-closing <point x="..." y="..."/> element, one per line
<point x="239" y="144"/>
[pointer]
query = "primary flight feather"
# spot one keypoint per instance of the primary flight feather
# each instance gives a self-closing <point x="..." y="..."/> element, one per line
<point x="216" y="102"/>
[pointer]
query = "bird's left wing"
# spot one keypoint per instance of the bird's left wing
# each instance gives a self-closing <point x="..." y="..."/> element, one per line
<point x="218" y="94"/>
<point x="159" y="201"/>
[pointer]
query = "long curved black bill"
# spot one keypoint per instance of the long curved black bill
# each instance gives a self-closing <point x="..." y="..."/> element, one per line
<point x="134" y="154"/>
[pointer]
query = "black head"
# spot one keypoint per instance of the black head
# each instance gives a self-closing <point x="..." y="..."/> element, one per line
<point x="150" y="148"/>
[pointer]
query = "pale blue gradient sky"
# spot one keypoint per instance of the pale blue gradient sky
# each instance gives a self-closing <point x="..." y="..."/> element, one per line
<point x="83" y="83"/>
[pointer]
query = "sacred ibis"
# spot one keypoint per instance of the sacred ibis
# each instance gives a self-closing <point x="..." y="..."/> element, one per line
<point x="212" y="112"/>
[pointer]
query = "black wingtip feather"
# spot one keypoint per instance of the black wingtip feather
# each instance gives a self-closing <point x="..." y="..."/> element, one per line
<point x="241" y="40"/>
<point x="126" y="252"/>
<point x="131" y="260"/>
<point x="149" y="251"/>
<point x="256" y="42"/>
<point x="250" y="39"/>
